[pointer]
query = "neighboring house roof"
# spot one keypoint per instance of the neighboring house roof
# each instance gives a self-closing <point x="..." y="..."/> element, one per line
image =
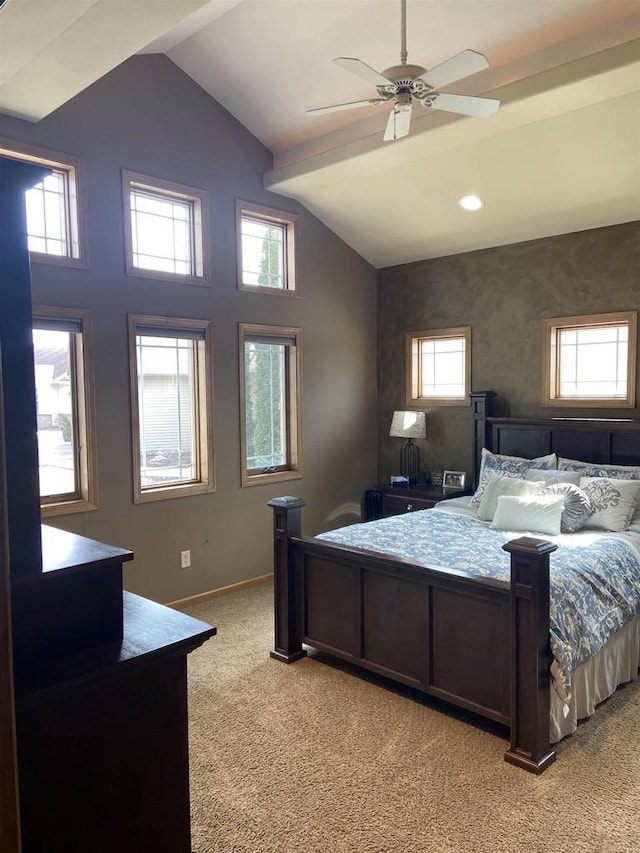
<point x="57" y="357"/>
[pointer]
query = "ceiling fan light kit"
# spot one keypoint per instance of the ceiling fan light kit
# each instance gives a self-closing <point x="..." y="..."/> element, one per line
<point x="407" y="83"/>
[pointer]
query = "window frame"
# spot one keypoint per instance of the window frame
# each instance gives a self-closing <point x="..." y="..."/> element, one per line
<point x="279" y="218"/>
<point x="85" y="498"/>
<point x="413" y="340"/>
<point x="293" y="470"/>
<point x="551" y="326"/>
<point x="74" y="200"/>
<point x="203" y="370"/>
<point x="200" y="238"/>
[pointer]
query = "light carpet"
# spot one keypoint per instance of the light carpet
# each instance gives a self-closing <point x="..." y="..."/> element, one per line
<point x="315" y="758"/>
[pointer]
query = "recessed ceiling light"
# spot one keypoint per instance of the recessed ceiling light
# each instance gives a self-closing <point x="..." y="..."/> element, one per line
<point x="471" y="202"/>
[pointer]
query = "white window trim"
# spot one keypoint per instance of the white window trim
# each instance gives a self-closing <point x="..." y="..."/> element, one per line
<point x="78" y="255"/>
<point x="550" y="367"/>
<point x="412" y="339"/>
<point x="200" y="236"/>
<point x="294" y="471"/>
<point x="206" y="477"/>
<point x="270" y="215"/>
<point x="86" y="443"/>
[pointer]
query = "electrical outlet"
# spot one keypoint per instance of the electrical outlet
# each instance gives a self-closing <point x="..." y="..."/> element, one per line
<point x="185" y="559"/>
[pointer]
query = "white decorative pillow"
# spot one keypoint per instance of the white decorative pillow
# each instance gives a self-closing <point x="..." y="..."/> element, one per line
<point x="551" y="476"/>
<point x="614" y="501"/>
<point x="507" y="466"/>
<point x="534" y="514"/>
<point x="596" y="469"/>
<point x="498" y="485"/>
<point x="577" y="506"/>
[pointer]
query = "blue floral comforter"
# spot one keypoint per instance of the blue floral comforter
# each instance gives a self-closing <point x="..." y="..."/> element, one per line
<point x="595" y="577"/>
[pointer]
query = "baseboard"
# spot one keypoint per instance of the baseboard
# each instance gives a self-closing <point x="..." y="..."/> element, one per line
<point x="216" y="593"/>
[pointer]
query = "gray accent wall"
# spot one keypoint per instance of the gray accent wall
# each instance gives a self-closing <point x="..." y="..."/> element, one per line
<point x="503" y="294"/>
<point x="147" y="116"/>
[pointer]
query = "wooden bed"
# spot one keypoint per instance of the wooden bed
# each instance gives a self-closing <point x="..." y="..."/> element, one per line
<point x="479" y="643"/>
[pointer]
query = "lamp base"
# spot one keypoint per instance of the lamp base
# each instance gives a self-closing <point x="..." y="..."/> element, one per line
<point x="410" y="461"/>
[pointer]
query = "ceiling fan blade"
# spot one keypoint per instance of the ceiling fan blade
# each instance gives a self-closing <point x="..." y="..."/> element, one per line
<point x="336" y="107"/>
<point x="356" y="66"/>
<point x="466" y="105"/>
<point x="398" y="124"/>
<point x="461" y="65"/>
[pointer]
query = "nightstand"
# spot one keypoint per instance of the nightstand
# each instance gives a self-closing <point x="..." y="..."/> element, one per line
<point x="384" y="501"/>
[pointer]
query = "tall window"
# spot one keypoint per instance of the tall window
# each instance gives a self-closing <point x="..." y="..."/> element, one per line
<point x="55" y="228"/>
<point x="171" y="402"/>
<point x="65" y="410"/>
<point x="438" y="366"/>
<point x="266" y="249"/>
<point x="271" y="403"/>
<point x="590" y="360"/>
<point x="166" y="230"/>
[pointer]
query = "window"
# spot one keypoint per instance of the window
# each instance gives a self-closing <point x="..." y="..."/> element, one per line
<point x="65" y="410"/>
<point x="266" y="249"/>
<point x="171" y="404"/>
<point x="590" y="360"/>
<point x="439" y="367"/>
<point x="166" y="230"/>
<point x="55" y="229"/>
<point x="270" y="403"/>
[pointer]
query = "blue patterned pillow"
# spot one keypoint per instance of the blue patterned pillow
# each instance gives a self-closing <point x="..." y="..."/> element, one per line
<point x="595" y="469"/>
<point x="577" y="506"/>
<point x="507" y="466"/>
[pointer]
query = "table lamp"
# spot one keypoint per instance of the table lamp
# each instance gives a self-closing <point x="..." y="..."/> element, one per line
<point x="409" y="425"/>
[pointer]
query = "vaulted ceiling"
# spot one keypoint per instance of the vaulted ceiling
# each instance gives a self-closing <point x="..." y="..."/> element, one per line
<point x="562" y="153"/>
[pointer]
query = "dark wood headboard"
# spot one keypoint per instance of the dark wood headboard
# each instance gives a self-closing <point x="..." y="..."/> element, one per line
<point x="605" y="440"/>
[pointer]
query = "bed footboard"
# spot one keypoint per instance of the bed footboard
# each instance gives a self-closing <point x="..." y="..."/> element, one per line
<point x="478" y="643"/>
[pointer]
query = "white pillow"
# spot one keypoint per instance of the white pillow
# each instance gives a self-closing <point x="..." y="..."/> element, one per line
<point x="534" y="514"/>
<point x="614" y="501"/>
<point x="550" y="476"/>
<point x="496" y="486"/>
<point x="507" y="466"/>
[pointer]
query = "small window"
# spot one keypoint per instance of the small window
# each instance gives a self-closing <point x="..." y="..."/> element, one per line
<point x="266" y="249"/>
<point x="439" y="367"/>
<point x="171" y="406"/>
<point x="55" y="230"/>
<point x="270" y="403"/>
<point x="65" y="410"/>
<point x="590" y="360"/>
<point x="166" y="230"/>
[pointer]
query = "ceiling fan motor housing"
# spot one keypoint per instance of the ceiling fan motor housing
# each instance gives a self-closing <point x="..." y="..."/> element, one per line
<point x="404" y="82"/>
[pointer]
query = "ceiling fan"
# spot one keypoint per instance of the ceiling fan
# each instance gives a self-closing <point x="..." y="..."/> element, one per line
<point x="407" y="83"/>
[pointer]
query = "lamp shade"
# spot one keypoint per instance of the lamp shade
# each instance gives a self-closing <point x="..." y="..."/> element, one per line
<point x="408" y="425"/>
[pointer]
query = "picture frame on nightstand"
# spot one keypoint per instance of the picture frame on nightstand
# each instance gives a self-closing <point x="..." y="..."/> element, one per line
<point x="454" y="479"/>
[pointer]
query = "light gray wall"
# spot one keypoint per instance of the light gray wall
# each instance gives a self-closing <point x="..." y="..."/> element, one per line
<point x="147" y="116"/>
<point x="503" y="294"/>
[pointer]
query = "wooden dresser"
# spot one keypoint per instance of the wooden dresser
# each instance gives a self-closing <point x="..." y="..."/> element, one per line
<point x="93" y="738"/>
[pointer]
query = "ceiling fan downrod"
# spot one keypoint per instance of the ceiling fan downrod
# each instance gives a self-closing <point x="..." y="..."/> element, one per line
<point x="403" y="32"/>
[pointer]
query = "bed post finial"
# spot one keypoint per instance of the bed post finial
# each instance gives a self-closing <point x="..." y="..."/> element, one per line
<point x="481" y="406"/>
<point x="530" y="654"/>
<point x="286" y="523"/>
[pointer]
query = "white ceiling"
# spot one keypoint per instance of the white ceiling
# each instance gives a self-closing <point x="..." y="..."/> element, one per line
<point x="562" y="154"/>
